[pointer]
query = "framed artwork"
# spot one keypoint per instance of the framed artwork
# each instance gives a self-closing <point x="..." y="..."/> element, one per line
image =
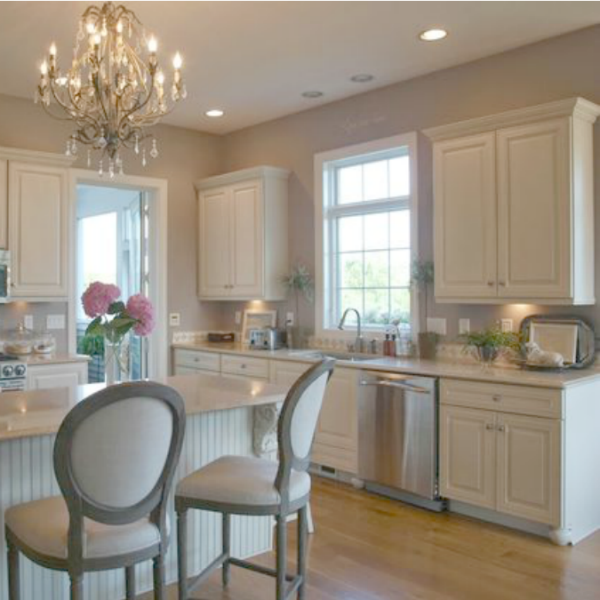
<point x="556" y="337"/>
<point x="257" y="319"/>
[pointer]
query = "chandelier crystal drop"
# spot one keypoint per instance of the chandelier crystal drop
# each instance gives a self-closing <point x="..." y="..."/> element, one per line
<point x="114" y="90"/>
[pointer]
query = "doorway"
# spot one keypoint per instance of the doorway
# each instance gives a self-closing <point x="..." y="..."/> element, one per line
<point x="119" y="233"/>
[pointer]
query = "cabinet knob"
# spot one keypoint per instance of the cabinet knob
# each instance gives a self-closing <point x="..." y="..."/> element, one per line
<point x="489" y="426"/>
<point x="502" y="283"/>
<point x="496" y="398"/>
<point x="243" y="366"/>
<point x="490" y="283"/>
<point x="501" y="428"/>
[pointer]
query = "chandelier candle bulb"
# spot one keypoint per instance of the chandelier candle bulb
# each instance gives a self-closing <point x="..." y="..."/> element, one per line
<point x="177" y="62"/>
<point x="152" y="45"/>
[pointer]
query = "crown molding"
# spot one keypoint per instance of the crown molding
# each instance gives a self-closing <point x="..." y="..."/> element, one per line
<point x="575" y="107"/>
<point x="37" y="157"/>
<point x="261" y="172"/>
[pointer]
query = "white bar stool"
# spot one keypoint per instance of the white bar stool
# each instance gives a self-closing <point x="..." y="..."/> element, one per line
<point x="114" y="457"/>
<point x="253" y="486"/>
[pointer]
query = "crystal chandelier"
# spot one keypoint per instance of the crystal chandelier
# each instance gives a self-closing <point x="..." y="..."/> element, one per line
<point x="114" y="90"/>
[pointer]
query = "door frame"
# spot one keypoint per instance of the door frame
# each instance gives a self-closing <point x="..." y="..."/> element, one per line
<point x="157" y="190"/>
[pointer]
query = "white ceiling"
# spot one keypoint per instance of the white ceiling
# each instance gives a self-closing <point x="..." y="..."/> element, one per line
<point x="254" y="59"/>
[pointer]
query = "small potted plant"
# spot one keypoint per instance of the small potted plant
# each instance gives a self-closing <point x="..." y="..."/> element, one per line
<point x="421" y="279"/>
<point x="299" y="283"/>
<point x="489" y="343"/>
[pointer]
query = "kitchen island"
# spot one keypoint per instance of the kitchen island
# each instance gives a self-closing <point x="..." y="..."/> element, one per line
<point x="219" y="421"/>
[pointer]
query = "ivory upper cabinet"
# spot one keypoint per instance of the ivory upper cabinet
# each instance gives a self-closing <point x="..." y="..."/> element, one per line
<point x="38" y="233"/>
<point x="465" y="196"/>
<point x="3" y="204"/>
<point x="514" y="206"/>
<point x="243" y="235"/>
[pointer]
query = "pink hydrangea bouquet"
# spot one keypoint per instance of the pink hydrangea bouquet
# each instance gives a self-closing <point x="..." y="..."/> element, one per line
<point x="112" y="318"/>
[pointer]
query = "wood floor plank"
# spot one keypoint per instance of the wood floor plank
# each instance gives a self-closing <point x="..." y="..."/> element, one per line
<point x="372" y="548"/>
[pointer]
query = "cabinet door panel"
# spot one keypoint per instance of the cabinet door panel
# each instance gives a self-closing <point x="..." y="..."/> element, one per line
<point x="215" y="243"/>
<point x="465" y="217"/>
<point x="3" y="204"/>
<point x="286" y="372"/>
<point x="529" y="468"/>
<point x="38" y="230"/>
<point x="247" y="242"/>
<point x="534" y="216"/>
<point x="467" y="455"/>
<point x="337" y="428"/>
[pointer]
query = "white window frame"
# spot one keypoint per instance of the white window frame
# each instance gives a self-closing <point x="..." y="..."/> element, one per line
<point x="325" y="164"/>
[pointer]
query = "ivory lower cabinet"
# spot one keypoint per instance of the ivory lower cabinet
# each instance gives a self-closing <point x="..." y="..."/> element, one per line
<point x="57" y="375"/>
<point x="522" y="456"/>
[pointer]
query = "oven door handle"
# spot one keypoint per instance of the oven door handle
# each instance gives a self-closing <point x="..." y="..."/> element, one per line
<point x="407" y="387"/>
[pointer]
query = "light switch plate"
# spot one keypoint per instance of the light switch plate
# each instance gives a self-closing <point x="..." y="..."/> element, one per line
<point x="464" y="326"/>
<point x="238" y="317"/>
<point x="436" y="325"/>
<point x="289" y="319"/>
<point x="506" y="325"/>
<point x="28" y="322"/>
<point x="55" y="322"/>
<point x="174" y="319"/>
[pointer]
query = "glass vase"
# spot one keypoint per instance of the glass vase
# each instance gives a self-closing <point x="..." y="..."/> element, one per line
<point x="117" y="360"/>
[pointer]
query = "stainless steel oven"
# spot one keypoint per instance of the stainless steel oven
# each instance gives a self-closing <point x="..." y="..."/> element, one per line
<point x="4" y="275"/>
<point x="398" y="437"/>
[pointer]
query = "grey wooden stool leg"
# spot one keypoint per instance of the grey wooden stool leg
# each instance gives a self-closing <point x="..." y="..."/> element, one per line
<point x="281" y="552"/>
<point x="14" y="581"/>
<point x="303" y="523"/>
<point x="77" y="587"/>
<point x="182" y="555"/>
<point x="226" y="548"/>
<point x="159" y="577"/>
<point x="130" y="583"/>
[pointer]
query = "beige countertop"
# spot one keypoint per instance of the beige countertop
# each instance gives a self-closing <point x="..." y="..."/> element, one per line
<point x="414" y="366"/>
<point x="40" y="412"/>
<point x="53" y="359"/>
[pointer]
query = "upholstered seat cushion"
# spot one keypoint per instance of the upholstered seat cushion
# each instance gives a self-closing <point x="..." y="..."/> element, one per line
<point x="43" y="526"/>
<point x="241" y="480"/>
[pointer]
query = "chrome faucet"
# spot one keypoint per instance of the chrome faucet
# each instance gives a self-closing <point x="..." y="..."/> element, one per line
<point x="358" y="342"/>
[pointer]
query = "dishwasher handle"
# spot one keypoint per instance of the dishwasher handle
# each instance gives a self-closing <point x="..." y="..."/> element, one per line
<point x="407" y="387"/>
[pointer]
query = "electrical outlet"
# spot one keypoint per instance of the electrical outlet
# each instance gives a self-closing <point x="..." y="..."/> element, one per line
<point x="238" y="317"/>
<point x="174" y="319"/>
<point x="464" y="326"/>
<point x="436" y="325"/>
<point x="55" y="322"/>
<point x="28" y="322"/>
<point x="506" y="325"/>
<point x="289" y="319"/>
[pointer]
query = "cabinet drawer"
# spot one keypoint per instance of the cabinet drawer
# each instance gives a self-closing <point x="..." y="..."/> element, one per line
<point x="245" y="366"/>
<point x="342" y="459"/>
<point x="193" y="359"/>
<point x="537" y="402"/>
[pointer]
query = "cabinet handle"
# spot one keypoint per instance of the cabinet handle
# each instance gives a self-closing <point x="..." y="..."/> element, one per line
<point x="502" y="283"/>
<point x="491" y="283"/>
<point x="496" y="398"/>
<point x="501" y="428"/>
<point x="243" y="367"/>
<point x="489" y="426"/>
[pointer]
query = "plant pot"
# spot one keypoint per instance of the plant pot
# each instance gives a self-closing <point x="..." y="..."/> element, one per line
<point x="428" y="345"/>
<point x="487" y="354"/>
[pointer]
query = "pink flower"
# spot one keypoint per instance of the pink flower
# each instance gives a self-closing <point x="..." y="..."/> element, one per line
<point x="141" y="309"/>
<point x="98" y="297"/>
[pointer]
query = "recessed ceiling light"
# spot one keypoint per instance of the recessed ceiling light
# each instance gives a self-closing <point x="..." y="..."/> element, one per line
<point x="362" y="78"/>
<point x="433" y="35"/>
<point x="312" y="94"/>
<point x="214" y="113"/>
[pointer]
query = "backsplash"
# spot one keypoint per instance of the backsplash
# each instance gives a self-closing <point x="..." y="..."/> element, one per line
<point x="13" y="313"/>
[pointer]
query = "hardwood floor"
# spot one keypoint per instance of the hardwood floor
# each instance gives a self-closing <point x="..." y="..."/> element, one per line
<point x="368" y="548"/>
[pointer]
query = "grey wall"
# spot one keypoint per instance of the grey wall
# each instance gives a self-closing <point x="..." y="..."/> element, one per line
<point x="550" y="70"/>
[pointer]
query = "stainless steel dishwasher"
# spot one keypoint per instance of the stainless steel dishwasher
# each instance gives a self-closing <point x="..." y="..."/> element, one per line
<point x="398" y="437"/>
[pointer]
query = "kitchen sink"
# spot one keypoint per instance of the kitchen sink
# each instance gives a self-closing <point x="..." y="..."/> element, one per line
<point x="348" y="356"/>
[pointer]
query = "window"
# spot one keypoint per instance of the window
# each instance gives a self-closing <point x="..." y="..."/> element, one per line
<point x="366" y="225"/>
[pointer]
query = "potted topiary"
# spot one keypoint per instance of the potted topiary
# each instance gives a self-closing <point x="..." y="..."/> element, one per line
<point x="299" y="283"/>
<point x="489" y="343"/>
<point x="422" y="274"/>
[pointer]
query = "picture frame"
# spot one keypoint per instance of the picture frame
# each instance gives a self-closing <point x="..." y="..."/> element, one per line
<point x="556" y="337"/>
<point x="257" y="319"/>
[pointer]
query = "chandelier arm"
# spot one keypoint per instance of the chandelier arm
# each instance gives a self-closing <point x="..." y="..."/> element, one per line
<point x="75" y="114"/>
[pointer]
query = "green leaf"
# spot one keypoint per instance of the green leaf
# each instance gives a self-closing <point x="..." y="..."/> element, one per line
<point x="95" y="327"/>
<point x="116" y="308"/>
